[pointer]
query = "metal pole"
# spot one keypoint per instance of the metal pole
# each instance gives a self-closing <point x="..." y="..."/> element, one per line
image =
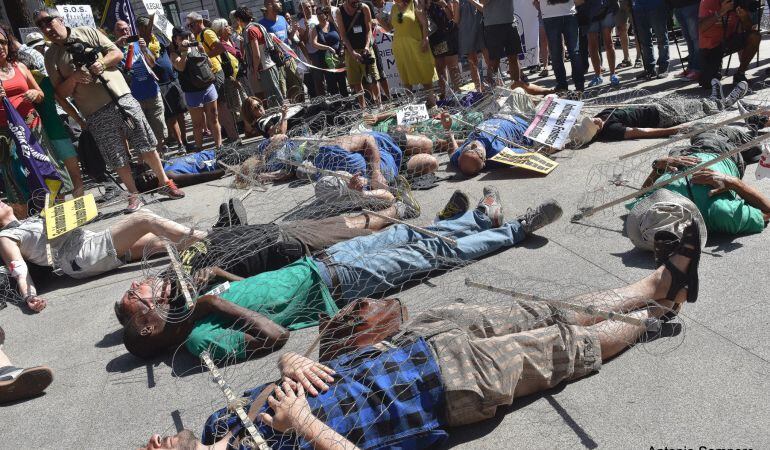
<point x="593" y="210"/>
<point x="233" y="403"/>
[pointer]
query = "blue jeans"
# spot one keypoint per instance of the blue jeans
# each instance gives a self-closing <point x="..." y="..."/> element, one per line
<point x="555" y="28"/>
<point x="654" y="19"/>
<point x="688" y="20"/>
<point x="373" y="264"/>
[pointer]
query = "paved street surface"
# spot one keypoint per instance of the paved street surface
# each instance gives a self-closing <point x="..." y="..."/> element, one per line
<point x="707" y="386"/>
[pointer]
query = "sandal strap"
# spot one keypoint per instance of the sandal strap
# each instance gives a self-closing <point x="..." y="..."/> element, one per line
<point x="687" y="251"/>
<point x="678" y="280"/>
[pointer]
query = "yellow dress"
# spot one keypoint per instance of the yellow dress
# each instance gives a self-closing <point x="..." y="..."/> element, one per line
<point x="414" y="66"/>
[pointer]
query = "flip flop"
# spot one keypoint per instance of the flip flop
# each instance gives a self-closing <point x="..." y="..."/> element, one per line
<point x="29" y="383"/>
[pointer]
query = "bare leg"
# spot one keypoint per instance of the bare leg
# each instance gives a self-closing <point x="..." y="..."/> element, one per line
<point x="531" y="88"/>
<point x="748" y="52"/>
<point x="384" y="87"/>
<point x="453" y="69"/>
<point x="473" y="61"/>
<point x="153" y="160"/>
<point x="623" y="35"/>
<point x="593" y="50"/>
<point x="375" y="223"/>
<point x="441" y="70"/>
<point x="513" y="67"/>
<point x="73" y="168"/>
<point x="374" y="91"/>
<point x="421" y="164"/>
<point x="609" y="49"/>
<point x="543" y="48"/>
<point x="198" y="123"/>
<point x="416" y="144"/>
<point x="124" y="173"/>
<point x="212" y="120"/>
<point x="4" y="360"/>
<point x="173" y="129"/>
<point x="143" y="227"/>
<point x="431" y="102"/>
<point x="358" y="88"/>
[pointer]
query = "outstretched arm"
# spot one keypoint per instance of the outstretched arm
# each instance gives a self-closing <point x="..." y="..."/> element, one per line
<point x="16" y="265"/>
<point x="650" y="133"/>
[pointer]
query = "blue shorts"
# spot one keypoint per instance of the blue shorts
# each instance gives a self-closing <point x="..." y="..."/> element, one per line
<point x="607" y="21"/>
<point x="199" y="98"/>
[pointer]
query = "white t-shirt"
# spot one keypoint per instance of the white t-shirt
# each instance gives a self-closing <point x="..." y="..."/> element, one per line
<point x="30" y="235"/>
<point x="310" y="25"/>
<point x="549" y="10"/>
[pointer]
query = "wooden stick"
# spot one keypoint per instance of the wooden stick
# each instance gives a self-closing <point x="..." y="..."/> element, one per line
<point x="234" y="403"/>
<point x="422" y="230"/>
<point x="589" y="310"/>
<point x="181" y="283"/>
<point x="593" y="210"/>
<point x="693" y="133"/>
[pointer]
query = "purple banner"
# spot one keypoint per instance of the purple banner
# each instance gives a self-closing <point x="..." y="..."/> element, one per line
<point x="41" y="174"/>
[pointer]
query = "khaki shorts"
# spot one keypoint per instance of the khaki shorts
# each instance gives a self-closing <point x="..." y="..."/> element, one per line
<point x="86" y="253"/>
<point x="490" y="354"/>
<point x="153" y="111"/>
<point x="358" y="73"/>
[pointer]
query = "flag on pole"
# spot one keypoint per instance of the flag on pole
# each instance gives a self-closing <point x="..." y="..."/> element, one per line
<point x="116" y="10"/>
<point x="41" y="174"/>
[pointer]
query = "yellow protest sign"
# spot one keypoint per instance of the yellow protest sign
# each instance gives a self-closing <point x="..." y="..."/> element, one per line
<point x="529" y="161"/>
<point x="65" y="217"/>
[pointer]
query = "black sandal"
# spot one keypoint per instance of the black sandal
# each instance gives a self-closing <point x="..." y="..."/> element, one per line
<point x="679" y="279"/>
<point x="664" y="245"/>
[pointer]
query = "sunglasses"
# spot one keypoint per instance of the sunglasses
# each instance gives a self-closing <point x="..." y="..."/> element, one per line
<point x="44" y="21"/>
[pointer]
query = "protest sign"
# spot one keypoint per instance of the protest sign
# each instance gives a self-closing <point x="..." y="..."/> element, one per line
<point x="65" y="217"/>
<point x="384" y="42"/>
<point x="24" y="32"/>
<point x="77" y="15"/>
<point x="411" y="114"/>
<point x="553" y="122"/>
<point x="528" y="161"/>
<point x="160" y="22"/>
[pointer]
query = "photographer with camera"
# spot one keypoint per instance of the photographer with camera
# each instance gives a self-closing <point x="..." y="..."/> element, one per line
<point x="82" y="63"/>
<point x="137" y="64"/>
<point x="726" y="27"/>
<point x="354" y="23"/>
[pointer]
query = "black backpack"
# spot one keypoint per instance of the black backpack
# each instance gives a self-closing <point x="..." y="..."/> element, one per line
<point x="197" y="74"/>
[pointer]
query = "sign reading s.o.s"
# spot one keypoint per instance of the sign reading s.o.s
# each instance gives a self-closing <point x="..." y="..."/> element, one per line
<point x="77" y="15"/>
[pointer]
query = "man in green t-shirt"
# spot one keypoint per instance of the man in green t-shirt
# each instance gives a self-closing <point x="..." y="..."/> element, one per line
<point x="726" y="203"/>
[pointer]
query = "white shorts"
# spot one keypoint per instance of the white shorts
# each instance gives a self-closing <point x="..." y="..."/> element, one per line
<point x="88" y="253"/>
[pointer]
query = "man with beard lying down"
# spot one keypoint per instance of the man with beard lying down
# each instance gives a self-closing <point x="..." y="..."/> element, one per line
<point x="253" y="315"/>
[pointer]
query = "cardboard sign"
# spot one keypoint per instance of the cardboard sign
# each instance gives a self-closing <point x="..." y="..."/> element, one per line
<point x="411" y="114"/>
<point x="529" y="161"/>
<point x="24" y="32"/>
<point x="160" y="22"/>
<point x="553" y="122"/>
<point x="77" y="15"/>
<point x="384" y="42"/>
<point x="65" y="217"/>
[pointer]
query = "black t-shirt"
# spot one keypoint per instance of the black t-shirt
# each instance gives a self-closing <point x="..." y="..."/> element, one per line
<point x="616" y="120"/>
<point x="234" y="249"/>
<point x="356" y="29"/>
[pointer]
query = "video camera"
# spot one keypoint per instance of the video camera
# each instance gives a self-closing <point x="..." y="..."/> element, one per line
<point x="192" y="43"/>
<point x="83" y="55"/>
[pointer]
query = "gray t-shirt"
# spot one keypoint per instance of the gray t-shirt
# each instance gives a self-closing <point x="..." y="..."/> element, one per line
<point x="30" y="235"/>
<point x="498" y="12"/>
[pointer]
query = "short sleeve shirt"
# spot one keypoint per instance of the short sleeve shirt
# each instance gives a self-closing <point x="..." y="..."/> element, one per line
<point x="200" y="162"/>
<point x="498" y="12"/>
<point x="255" y="35"/>
<point x="723" y="213"/>
<point x="291" y="297"/>
<point x="488" y="133"/>
<point x="336" y="158"/>
<point x="617" y="120"/>
<point x="713" y="36"/>
<point x="209" y="39"/>
<point x="278" y="27"/>
<point x="91" y="97"/>
<point x="30" y="235"/>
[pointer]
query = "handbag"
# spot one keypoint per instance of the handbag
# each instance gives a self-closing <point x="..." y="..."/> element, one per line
<point x="363" y="322"/>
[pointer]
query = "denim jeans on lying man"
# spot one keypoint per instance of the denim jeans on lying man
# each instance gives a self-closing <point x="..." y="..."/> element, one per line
<point x="373" y="264"/>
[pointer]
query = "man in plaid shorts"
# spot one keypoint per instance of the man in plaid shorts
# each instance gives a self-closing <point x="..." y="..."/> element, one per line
<point x="450" y="366"/>
<point x="101" y="94"/>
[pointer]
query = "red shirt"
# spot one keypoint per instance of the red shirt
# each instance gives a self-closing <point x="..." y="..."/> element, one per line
<point x="255" y="33"/>
<point x="714" y="35"/>
<point x="15" y="88"/>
